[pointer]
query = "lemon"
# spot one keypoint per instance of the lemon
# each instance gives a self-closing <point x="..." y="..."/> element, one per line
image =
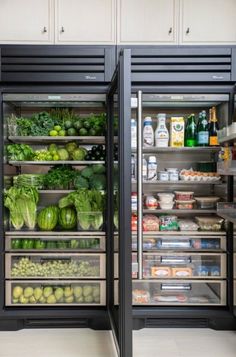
<point x="62" y="133"/>
<point x="56" y="157"/>
<point x="53" y="133"/>
<point x="57" y="127"/>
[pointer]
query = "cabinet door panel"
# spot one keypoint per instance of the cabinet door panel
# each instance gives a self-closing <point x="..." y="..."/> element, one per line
<point x="90" y="21"/>
<point x="25" y="21"/>
<point x="206" y="21"/>
<point x="146" y="21"/>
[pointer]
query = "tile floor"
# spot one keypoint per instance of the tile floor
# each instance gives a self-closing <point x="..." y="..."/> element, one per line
<point x="89" y="343"/>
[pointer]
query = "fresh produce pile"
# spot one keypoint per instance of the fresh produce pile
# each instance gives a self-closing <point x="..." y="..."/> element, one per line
<point x="56" y="294"/>
<point x="89" y="205"/>
<point x="61" y="122"/>
<point x="22" y="205"/>
<point x="25" y="267"/>
<point x="39" y="244"/>
<point x="83" y="206"/>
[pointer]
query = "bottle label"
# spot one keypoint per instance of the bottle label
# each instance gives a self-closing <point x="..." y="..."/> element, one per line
<point x="213" y="141"/>
<point x="148" y="136"/>
<point x="203" y="137"/>
<point x="152" y="172"/>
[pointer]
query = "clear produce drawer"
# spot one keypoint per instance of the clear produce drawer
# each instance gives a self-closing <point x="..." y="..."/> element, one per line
<point x="181" y="266"/>
<point x="183" y="242"/>
<point x="55" y="293"/>
<point x="55" y="243"/>
<point x="176" y="293"/>
<point x="74" y="266"/>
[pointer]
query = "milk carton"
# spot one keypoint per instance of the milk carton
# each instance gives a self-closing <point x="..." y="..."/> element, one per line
<point x="177" y="132"/>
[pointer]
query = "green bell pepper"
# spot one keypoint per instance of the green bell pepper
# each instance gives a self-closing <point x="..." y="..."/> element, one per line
<point x="16" y="244"/>
<point x="28" y="244"/>
<point x="40" y="244"/>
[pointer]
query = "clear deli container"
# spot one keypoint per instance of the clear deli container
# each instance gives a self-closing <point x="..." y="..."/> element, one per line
<point x="209" y="223"/>
<point x="206" y="202"/>
<point x="189" y="204"/>
<point x="184" y="195"/>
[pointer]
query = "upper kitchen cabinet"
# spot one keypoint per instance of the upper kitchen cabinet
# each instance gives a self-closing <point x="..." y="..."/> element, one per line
<point x="208" y="22"/>
<point x="85" y="21"/>
<point x="147" y="21"/>
<point x="26" y="21"/>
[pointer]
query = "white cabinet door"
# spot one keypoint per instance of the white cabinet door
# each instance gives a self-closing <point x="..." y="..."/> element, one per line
<point x="208" y="21"/>
<point x="85" y="21"/>
<point x="147" y="21"/>
<point x="26" y="21"/>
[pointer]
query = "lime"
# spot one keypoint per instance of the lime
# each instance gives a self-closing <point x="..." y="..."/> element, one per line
<point x="87" y="124"/>
<point x="56" y="157"/>
<point x="53" y="133"/>
<point x="62" y="133"/>
<point x="57" y="127"/>
<point x="68" y="124"/>
<point x="83" y="132"/>
<point x="71" y="132"/>
<point x="78" y="124"/>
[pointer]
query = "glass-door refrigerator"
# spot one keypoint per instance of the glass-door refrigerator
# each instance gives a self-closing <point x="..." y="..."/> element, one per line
<point x="181" y="249"/>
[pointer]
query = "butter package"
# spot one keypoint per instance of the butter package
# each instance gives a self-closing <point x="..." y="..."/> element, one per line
<point x="177" y="132"/>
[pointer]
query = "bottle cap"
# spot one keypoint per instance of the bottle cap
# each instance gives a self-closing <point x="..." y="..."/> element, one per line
<point x="152" y="159"/>
<point x="161" y="115"/>
<point x="133" y="120"/>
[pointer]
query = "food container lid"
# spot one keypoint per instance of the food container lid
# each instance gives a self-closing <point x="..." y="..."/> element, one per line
<point x="207" y="199"/>
<point x="165" y="194"/>
<point x="209" y="219"/>
<point x="172" y="170"/>
<point x="184" y="192"/>
<point x="188" y="201"/>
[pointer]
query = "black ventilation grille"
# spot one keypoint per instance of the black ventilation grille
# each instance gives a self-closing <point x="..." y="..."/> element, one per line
<point x="181" y="64"/>
<point x="175" y="322"/>
<point x="56" y="323"/>
<point x="57" y="64"/>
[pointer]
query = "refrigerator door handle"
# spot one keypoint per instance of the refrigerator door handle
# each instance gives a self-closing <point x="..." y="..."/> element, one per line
<point x="140" y="186"/>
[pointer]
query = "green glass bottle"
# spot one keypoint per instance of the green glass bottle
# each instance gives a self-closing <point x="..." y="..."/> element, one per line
<point x="191" y="132"/>
<point x="202" y="130"/>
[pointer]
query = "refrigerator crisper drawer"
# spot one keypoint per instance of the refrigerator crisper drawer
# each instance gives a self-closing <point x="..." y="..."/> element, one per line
<point x="45" y="266"/>
<point x="182" y="266"/>
<point x="55" y="243"/>
<point x="176" y="293"/>
<point x="55" y="293"/>
<point x="184" y="241"/>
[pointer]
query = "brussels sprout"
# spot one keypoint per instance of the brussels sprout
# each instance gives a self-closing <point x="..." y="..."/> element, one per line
<point x="97" y="299"/>
<point x="51" y="299"/>
<point x="42" y="300"/>
<point x="17" y="292"/>
<point x="47" y="291"/>
<point x="29" y="291"/>
<point x="78" y="291"/>
<point x="38" y="292"/>
<point x="87" y="290"/>
<point x="96" y="291"/>
<point x="15" y="301"/>
<point x="68" y="291"/>
<point x="23" y="299"/>
<point x="59" y="293"/>
<point x="88" y="299"/>
<point x="80" y="300"/>
<point x="69" y="299"/>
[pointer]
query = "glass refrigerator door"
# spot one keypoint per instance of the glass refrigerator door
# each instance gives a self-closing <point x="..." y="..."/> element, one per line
<point x="175" y="188"/>
<point x="119" y="210"/>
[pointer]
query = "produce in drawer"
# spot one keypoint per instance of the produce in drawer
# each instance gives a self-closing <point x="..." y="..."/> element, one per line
<point x="26" y="267"/>
<point x="56" y="294"/>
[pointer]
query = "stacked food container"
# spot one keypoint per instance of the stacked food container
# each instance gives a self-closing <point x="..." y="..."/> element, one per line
<point x="55" y="201"/>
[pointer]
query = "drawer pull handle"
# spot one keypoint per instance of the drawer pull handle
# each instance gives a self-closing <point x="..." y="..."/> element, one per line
<point x="170" y="30"/>
<point x="187" y="31"/>
<point x="179" y="287"/>
<point x="45" y="30"/>
<point x="62" y="29"/>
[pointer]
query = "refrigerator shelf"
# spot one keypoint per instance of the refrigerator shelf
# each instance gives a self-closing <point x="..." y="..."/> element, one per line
<point x="58" y="139"/>
<point x="182" y="233"/>
<point x="180" y="182"/>
<point x="73" y="163"/>
<point x="79" y="293"/>
<point x="178" y="211"/>
<point x="226" y="168"/>
<point x="196" y="149"/>
<point x="54" y="233"/>
<point x="227" y="210"/>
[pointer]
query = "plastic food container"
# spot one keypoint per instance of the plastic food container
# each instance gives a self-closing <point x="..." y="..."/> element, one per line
<point x="163" y="176"/>
<point x="209" y="223"/>
<point x="169" y="223"/>
<point x="206" y="166"/>
<point x="166" y="205"/>
<point x="184" y="195"/>
<point x="151" y="202"/>
<point x="187" y="225"/>
<point x="184" y="204"/>
<point x="206" y="202"/>
<point x="166" y="197"/>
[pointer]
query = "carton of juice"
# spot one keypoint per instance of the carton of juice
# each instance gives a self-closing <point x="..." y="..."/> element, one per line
<point x="177" y="131"/>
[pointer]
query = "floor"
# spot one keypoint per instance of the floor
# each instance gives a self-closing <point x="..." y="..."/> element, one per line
<point x="147" y="342"/>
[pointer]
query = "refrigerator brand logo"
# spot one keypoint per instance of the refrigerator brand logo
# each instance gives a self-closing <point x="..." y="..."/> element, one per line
<point x="217" y="77"/>
<point x="90" y="77"/>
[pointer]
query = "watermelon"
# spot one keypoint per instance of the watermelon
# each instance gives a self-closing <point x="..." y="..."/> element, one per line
<point x="47" y="218"/>
<point x="67" y="218"/>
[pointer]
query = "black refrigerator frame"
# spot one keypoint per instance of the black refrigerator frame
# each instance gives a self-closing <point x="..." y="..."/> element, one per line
<point x="213" y="317"/>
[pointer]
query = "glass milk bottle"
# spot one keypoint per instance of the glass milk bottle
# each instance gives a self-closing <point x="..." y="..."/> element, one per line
<point x="161" y="133"/>
<point x="148" y="133"/>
